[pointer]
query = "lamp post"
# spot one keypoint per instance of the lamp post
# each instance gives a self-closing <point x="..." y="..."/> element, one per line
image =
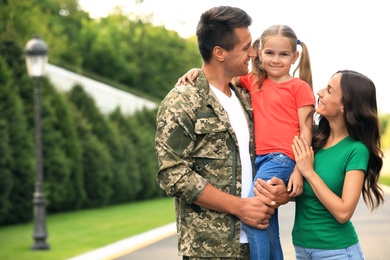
<point x="36" y="60"/>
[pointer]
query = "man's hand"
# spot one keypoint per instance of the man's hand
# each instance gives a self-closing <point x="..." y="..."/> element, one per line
<point x="274" y="189"/>
<point x="256" y="211"/>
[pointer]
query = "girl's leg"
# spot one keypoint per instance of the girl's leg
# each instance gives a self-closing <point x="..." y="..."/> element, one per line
<point x="265" y="244"/>
<point x="258" y="239"/>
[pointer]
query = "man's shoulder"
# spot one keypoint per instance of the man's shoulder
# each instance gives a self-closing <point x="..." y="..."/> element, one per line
<point x="183" y="88"/>
<point x="189" y="91"/>
<point x="187" y="94"/>
<point x="182" y="93"/>
<point x="182" y="98"/>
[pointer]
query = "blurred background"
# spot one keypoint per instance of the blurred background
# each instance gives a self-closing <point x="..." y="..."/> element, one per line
<point x="131" y="52"/>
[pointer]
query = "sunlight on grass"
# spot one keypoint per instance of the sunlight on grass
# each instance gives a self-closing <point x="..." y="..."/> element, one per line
<point x="74" y="233"/>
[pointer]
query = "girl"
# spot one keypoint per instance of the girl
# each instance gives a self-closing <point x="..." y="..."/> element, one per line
<point x="282" y="108"/>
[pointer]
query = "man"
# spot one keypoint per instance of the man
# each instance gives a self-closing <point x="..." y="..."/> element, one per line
<point x="204" y="144"/>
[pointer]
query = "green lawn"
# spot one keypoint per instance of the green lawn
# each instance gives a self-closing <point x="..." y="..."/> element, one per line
<point x="72" y="234"/>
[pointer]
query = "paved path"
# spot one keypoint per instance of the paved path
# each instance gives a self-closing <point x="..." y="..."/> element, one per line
<point x="373" y="229"/>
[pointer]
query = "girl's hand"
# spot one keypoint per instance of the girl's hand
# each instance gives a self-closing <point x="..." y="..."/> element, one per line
<point x="304" y="155"/>
<point x="295" y="184"/>
<point x="188" y="76"/>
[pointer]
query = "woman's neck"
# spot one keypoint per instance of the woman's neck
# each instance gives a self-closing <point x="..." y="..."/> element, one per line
<point x="337" y="134"/>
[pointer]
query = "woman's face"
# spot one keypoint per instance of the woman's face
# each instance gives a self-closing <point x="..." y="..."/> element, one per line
<point x="329" y="99"/>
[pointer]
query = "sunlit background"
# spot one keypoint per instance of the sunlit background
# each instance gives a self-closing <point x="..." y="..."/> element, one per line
<point x="348" y="34"/>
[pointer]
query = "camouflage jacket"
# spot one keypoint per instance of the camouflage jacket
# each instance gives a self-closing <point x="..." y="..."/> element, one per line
<point x="196" y="145"/>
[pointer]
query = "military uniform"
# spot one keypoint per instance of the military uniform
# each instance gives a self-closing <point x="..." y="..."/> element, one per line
<point x="196" y="145"/>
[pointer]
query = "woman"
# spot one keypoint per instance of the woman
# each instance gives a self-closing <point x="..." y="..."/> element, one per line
<point x="345" y="160"/>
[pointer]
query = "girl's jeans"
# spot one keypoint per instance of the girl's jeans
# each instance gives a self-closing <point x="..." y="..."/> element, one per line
<point x="265" y="244"/>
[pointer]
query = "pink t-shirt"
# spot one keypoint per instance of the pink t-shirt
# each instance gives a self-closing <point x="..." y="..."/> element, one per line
<point x="275" y="112"/>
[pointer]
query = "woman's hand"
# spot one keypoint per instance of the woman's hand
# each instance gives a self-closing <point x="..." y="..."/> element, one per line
<point x="304" y="155"/>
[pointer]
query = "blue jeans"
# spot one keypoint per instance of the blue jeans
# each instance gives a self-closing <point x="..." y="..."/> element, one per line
<point x="265" y="244"/>
<point x="353" y="252"/>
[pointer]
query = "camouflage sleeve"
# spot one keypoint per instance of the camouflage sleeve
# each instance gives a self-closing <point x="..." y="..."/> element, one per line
<point x="175" y="139"/>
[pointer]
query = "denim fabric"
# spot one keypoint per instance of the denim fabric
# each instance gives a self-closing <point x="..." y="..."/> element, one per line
<point x="353" y="252"/>
<point x="265" y="244"/>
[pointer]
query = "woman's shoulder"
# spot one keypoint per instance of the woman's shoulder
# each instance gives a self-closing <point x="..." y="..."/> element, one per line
<point x="356" y="144"/>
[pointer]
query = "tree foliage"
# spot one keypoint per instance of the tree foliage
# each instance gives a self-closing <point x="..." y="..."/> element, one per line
<point x="126" y="48"/>
<point x="17" y="154"/>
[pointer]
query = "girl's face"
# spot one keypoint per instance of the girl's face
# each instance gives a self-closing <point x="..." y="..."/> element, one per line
<point x="329" y="99"/>
<point x="277" y="57"/>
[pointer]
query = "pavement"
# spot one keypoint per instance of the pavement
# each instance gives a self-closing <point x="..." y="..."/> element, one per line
<point x="373" y="229"/>
<point x="129" y="245"/>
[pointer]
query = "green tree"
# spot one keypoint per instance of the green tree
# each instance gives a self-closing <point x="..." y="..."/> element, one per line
<point x="96" y="158"/>
<point x="61" y="153"/>
<point x="107" y="133"/>
<point x="385" y="130"/>
<point x="96" y="162"/>
<point x="142" y="131"/>
<point x="17" y="150"/>
<point x="6" y="180"/>
<point x="132" y="182"/>
<point x="129" y="185"/>
<point x="136" y="53"/>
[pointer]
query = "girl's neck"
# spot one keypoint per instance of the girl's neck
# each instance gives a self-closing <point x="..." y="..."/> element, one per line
<point x="280" y="79"/>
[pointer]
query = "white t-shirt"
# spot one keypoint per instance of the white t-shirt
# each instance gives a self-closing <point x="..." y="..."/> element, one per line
<point x="240" y="126"/>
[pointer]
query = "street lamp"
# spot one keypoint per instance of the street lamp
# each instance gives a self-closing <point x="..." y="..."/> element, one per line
<point x="36" y="60"/>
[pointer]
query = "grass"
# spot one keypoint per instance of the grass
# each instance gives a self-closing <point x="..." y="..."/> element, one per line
<point x="75" y="233"/>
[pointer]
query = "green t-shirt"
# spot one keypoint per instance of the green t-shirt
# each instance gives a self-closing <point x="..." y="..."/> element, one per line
<point x="314" y="225"/>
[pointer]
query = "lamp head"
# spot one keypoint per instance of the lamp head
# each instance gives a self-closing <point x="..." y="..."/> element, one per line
<point x="36" y="57"/>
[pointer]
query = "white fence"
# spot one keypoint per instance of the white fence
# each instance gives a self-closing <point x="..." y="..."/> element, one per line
<point x="107" y="98"/>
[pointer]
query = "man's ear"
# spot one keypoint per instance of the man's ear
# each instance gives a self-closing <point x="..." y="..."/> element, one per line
<point x="219" y="53"/>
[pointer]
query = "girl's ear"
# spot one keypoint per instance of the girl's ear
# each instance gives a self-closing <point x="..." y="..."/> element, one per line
<point x="259" y="54"/>
<point x="296" y="56"/>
